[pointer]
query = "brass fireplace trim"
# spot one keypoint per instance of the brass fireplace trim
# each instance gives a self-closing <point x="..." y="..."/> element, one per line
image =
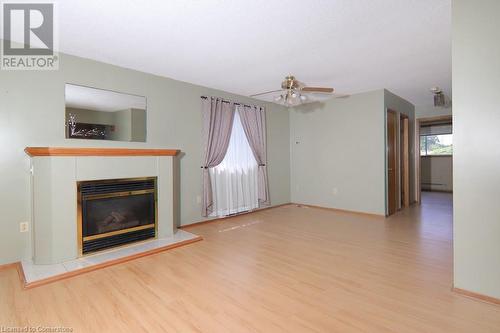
<point x="119" y="232"/>
<point x="79" y="218"/>
<point x="118" y="194"/>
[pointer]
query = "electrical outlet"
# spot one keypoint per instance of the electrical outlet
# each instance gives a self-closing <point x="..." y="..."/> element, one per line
<point x="23" y="227"/>
<point x="198" y="199"/>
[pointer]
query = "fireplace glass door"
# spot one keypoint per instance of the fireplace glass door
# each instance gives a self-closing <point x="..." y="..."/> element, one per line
<point x="115" y="212"/>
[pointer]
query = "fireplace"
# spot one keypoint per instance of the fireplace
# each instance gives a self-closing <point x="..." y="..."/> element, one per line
<point x="115" y="212"/>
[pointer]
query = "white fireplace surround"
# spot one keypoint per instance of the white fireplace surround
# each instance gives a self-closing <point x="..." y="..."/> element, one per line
<point x="54" y="178"/>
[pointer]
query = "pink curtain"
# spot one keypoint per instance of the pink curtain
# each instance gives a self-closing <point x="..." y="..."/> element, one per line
<point x="218" y="117"/>
<point x="253" y="119"/>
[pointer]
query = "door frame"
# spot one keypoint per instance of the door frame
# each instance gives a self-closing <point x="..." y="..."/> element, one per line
<point x="404" y="158"/>
<point x="396" y="162"/>
<point x="418" y="123"/>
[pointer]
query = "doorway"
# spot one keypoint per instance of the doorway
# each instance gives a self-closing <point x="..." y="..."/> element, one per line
<point x="434" y="167"/>
<point x="398" y="150"/>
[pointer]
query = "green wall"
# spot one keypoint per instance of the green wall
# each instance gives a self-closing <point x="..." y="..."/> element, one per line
<point x="32" y="113"/>
<point x="476" y="145"/>
<point x="332" y="143"/>
<point x="338" y="151"/>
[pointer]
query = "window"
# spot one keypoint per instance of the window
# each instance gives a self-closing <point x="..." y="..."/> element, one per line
<point x="234" y="181"/>
<point x="436" y="139"/>
<point x="436" y="144"/>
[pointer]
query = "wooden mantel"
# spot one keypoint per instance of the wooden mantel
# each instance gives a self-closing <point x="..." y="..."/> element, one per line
<point x="69" y="151"/>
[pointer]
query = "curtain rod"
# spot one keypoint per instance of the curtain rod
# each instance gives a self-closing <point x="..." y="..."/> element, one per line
<point x="224" y="101"/>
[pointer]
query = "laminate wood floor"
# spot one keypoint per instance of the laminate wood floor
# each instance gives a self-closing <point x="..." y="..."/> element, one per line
<point x="287" y="269"/>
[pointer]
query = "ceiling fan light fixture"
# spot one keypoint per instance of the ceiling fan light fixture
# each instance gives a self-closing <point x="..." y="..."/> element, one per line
<point x="436" y="90"/>
<point x="292" y="99"/>
<point x="291" y="92"/>
<point x="439" y="98"/>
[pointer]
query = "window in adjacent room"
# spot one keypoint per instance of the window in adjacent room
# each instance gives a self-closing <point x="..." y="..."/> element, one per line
<point x="436" y="140"/>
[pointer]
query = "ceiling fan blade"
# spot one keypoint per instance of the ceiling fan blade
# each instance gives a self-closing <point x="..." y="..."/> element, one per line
<point x="267" y="92"/>
<point x="342" y="96"/>
<point x="318" y="90"/>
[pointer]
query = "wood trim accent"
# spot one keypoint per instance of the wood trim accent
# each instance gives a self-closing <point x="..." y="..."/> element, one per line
<point x="216" y="219"/>
<point x="68" y="151"/>
<point x="20" y="273"/>
<point x="476" y="296"/>
<point x="418" y="185"/>
<point x="427" y="120"/>
<point x="338" y="210"/>
<point x="404" y="121"/>
<point x="18" y="267"/>
<point x="393" y="167"/>
<point x="8" y="266"/>
<point x="103" y="265"/>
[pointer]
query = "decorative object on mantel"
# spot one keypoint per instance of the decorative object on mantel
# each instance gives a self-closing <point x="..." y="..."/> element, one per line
<point x="68" y="151"/>
<point x="86" y="131"/>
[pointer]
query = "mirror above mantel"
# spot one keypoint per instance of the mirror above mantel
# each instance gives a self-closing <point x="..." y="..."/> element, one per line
<point x="99" y="114"/>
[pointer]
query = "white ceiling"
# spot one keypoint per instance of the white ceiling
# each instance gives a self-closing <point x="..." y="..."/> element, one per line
<point x="247" y="47"/>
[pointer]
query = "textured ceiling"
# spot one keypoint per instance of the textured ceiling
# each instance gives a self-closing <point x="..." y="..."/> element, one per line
<point x="246" y="47"/>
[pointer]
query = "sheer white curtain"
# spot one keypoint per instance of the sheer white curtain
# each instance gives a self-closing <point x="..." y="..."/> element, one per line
<point x="234" y="181"/>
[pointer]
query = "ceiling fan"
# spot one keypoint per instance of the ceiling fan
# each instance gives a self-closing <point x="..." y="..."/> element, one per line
<point x="293" y="92"/>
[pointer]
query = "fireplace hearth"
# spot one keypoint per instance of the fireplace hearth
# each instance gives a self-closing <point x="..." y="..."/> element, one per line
<point x="115" y="212"/>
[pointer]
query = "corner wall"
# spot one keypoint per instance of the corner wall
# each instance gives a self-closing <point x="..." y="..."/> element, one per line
<point x="476" y="155"/>
<point x="337" y="153"/>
